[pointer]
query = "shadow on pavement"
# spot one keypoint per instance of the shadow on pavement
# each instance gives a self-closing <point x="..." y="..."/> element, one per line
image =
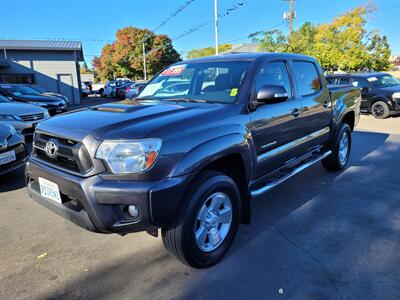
<point x="308" y="236"/>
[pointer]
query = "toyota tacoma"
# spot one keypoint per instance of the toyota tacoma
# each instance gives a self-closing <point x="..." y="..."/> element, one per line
<point x="187" y="156"/>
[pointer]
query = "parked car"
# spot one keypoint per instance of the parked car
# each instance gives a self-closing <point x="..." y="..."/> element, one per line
<point x="22" y="93"/>
<point x="13" y="151"/>
<point x="111" y="87"/>
<point x="98" y="89"/>
<point x="380" y="92"/>
<point x="22" y="116"/>
<point x="85" y="91"/>
<point x="45" y="92"/>
<point x="120" y="91"/>
<point x="190" y="163"/>
<point x="132" y="90"/>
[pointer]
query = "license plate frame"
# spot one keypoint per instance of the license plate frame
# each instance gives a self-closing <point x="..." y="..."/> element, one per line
<point x="50" y="190"/>
<point x="7" y="157"/>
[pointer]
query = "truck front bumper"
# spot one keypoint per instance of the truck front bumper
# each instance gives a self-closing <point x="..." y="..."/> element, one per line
<point x="101" y="205"/>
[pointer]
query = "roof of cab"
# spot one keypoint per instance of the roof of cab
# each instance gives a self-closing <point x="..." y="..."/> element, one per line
<point x="250" y="56"/>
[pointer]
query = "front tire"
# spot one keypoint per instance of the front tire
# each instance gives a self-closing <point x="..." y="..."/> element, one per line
<point x="207" y="222"/>
<point x="341" y="147"/>
<point x="380" y="110"/>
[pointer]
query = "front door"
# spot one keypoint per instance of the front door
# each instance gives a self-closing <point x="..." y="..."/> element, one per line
<point x="275" y="126"/>
<point x="65" y="86"/>
<point x="365" y="88"/>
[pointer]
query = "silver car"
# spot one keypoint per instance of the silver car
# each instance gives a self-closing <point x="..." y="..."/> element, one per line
<point x="23" y="117"/>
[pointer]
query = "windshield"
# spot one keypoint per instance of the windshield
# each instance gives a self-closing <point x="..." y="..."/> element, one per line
<point x="210" y="81"/>
<point x="18" y="90"/>
<point x="4" y="100"/>
<point x="38" y="88"/>
<point x="383" y="81"/>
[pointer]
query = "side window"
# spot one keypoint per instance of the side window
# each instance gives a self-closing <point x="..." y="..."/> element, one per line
<point x="307" y="77"/>
<point x="273" y="73"/>
<point x="360" y="83"/>
<point x="330" y="80"/>
<point x="344" y="80"/>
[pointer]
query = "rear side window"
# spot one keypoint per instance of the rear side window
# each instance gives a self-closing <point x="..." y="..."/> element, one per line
<point x="307" y="77"/>
<point x="344" y="81"/>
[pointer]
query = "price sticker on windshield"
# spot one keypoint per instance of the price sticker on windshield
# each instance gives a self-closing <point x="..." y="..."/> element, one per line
<point x="174" y="70"/>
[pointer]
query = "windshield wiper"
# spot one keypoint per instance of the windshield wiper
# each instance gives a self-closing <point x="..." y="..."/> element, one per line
<point x="188" y="100"/>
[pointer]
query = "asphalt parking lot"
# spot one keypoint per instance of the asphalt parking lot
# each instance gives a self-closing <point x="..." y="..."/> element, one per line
<point x="320" y="235"/>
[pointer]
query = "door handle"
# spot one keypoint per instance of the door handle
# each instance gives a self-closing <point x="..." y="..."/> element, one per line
<point x="295" y="112"/>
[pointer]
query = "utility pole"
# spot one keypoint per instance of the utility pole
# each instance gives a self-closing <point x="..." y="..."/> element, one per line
<point x="216" y="26"/>
<point x="289" y="16"/>
<point x="144" y="62"/>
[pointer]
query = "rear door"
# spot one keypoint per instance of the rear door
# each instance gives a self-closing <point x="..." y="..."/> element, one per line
<point x="316" y="103"/>
<point x="275" y="126"/>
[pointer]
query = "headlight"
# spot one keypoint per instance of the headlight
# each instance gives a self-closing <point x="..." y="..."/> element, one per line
<point x="46" y="114"/>
<point x="124" y="157"/>
<point x="12" y="130"/>
<point x="9" y="118"/>
<point x="396" y="95"/>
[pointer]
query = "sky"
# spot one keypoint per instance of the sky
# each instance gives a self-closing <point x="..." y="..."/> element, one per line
<point x="95" y="22"/>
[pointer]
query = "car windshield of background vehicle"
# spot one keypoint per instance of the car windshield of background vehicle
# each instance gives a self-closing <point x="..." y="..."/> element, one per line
<point x="212" y="81"/>
<point x="19" y="90"/>
<point x="4" y="100"/>
<point x="383" y="81"/>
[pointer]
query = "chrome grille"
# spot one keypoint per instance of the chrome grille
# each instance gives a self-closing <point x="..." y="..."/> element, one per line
<point x="34" y="117"/>
<point x="71" y="155"/>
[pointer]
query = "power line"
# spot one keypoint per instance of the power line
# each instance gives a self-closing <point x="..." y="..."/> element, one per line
<point x="174" y="14"/>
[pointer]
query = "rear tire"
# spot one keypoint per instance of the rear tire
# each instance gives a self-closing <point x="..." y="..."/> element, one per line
<point x="207" y="222"/>
<point x="341" y="147"/>
<point x="380" y="110"/>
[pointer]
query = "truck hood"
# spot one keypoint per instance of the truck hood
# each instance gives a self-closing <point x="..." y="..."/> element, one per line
<point x="20" y="109"/>
<point x="129" y="119"/>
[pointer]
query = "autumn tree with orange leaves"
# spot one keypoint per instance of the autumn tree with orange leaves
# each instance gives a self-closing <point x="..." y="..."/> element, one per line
<point x="124" y="57"/>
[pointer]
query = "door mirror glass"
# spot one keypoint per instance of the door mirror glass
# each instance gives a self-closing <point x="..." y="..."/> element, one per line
<point x="272" y="94"/>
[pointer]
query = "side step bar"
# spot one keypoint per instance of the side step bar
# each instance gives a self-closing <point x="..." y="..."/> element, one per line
<point x="301" y="167"/>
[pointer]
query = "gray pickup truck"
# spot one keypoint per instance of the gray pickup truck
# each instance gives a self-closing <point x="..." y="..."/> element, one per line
<point x="203" y="138"/>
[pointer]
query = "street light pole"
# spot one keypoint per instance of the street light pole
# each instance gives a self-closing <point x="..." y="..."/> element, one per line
<point x="216" y="26"/>
<point x="144" y="62"/>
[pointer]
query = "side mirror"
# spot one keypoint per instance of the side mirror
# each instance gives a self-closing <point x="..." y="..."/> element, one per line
<point x="364" y="89"/>
<point x="272" y="94"/>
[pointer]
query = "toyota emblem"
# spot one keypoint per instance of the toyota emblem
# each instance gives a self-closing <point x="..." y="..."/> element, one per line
<point x="51" y="149"/>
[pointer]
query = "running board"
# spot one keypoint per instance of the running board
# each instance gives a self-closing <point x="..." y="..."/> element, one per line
<point x="301" y="167"/>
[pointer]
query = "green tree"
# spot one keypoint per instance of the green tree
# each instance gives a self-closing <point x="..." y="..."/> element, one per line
<point x="208" y="51"/>
<point x="379" y="53"/>
<point x="124" y="57"/>
<point x="270" y="41"/>
<point x="343" y="44"/>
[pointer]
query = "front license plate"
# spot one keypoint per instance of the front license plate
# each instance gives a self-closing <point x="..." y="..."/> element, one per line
<point x="49" y="190"/>
<point x="7" y="157"/>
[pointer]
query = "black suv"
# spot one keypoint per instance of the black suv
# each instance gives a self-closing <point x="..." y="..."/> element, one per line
<point x="380" y="92"/>
<point x="23" y="93"/>
<point x="189" y="159"/>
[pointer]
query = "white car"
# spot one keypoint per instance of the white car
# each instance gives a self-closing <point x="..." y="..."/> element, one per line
<point x="23" y="117"/>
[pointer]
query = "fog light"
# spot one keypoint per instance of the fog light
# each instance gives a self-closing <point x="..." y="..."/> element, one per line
<point x="134" y="211"/>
